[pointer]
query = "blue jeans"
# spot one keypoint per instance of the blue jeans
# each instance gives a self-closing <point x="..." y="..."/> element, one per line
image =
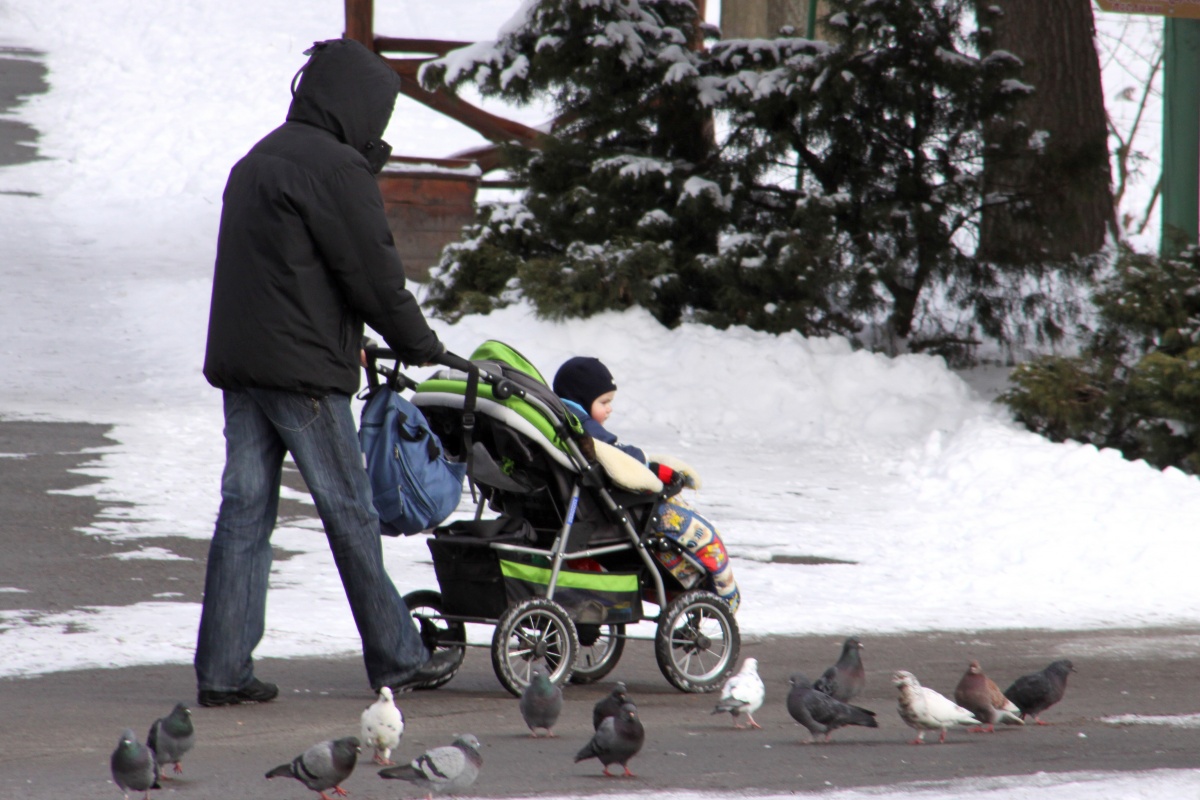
<point x="261" y="427"/>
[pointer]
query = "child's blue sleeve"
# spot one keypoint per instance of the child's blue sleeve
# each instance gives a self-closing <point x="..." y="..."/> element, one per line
<point x="600" y="433"/>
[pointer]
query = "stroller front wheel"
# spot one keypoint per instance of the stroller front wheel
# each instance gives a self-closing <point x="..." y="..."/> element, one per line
<point x="531" y="631"/>
<point x="697" y="642"/>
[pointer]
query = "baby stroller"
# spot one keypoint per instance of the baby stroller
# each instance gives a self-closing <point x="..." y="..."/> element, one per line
<point x="570" y="555"/>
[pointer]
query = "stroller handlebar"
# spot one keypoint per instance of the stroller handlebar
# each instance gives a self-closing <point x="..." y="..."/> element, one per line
<point x="501" y="387"/>
<point x="453" y="361"/>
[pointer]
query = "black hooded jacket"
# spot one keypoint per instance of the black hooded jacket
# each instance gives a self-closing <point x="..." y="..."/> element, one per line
<point x="304" y="253"/>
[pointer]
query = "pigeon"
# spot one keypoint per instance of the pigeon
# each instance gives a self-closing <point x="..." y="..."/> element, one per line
<point x="541" y="703"/>
<point x="610" y="704"/>
<point x="924" y="709"/>
<point x="846" y="679"/>
<point x="980" y="695"/>
<point x="617" y="740"/>
<point x="382" y="726"/>
<point x="1036" y="692"/>
<point x="134" y="766"/>
<point x="170" y="737"/>
<point x="322" y="766"/>
<point x="821" y="713"/>
<point x="448" y="769"/>
<point x="742" y="693"/>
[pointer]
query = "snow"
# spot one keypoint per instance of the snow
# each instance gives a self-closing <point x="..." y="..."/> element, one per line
<point x="940" y="503"/>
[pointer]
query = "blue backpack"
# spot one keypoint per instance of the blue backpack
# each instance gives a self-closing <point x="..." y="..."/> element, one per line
<point x="415" y="486"/>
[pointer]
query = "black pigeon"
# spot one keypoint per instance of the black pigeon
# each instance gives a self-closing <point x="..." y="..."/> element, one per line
<point x="133" y="765"/>
<point x="610" y="704"/>
<point x="171" y="737"/>
<point x="845" y="679"/>
<point x="1037" y="691"/>
<point x="322" y="766"/>
<point x="541" y="703"/>
<point x="821" y="713"/>
<point x="617" y="740"/>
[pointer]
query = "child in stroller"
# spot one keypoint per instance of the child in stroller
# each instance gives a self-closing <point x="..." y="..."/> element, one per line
<point x="574" y="553"/>
<point x="587" y="388"/>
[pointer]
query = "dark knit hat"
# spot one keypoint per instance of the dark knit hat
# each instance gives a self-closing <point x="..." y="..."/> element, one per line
<point x="583" y="379"/>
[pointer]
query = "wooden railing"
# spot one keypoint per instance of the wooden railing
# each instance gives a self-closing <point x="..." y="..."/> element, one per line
<point x="360" y="25"/>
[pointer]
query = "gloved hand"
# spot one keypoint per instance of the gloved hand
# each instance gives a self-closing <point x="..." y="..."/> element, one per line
<point x="680" y="467"/>
<point x="673" y="480"/>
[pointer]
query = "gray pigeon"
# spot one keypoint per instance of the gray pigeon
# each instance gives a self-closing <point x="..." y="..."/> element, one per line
<point x="617" y="740"/>
<point x="1036" y="692"/>
<point x="821" y="713"/>
<point x="133" y="766"/>
<point x="444" y="770"/>
<point x="610" y="704"/>
<point x="846" y="679"/>
<point x="541" y="703"/>
<point x="170" y="737"/>
<point x="322" y="766"/>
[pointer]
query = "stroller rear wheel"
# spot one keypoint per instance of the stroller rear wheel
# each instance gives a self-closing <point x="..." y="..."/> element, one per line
<point x="600" y="648"/>
<point x="531" y="631"/>
<point x="697" y="642"/>
<point x="437" y="633"/>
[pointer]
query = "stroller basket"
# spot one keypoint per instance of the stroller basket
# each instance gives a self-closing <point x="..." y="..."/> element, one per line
<point x="478" y="580"/>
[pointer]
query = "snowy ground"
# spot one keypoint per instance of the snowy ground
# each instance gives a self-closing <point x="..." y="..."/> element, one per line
<point x="952" y="516"/>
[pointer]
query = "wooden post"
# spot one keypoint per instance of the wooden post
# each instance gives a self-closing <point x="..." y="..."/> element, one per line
<point x="360" y="22"/>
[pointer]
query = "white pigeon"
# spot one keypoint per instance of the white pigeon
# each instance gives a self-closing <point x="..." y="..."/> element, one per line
<point x="743" y="693"/>
<point x="924" y="709"/>
<point x="382" y="727"/>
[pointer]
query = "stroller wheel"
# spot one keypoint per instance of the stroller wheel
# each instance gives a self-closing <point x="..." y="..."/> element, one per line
<point x="437" y="633"/>
<point x="697" y="642"/>
<point x="532" y="631"/>
<point x="600" y="648"/>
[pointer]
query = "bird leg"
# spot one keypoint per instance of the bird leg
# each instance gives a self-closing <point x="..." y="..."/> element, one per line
<point x="383" y="760"/>
<point x="628" y="774"/>
<point x="942" y="738"/>
<point x="178" y="768"/>
<point x="753" y="723"/>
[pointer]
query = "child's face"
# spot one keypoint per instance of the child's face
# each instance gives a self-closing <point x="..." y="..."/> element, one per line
<point x="601" y="408"/>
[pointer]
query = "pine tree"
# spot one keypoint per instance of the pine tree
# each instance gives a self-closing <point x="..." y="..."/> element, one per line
<point x="617" y="204"/>
<point x="841" y="188"/>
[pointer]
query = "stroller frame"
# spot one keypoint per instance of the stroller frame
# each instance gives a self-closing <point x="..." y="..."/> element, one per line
<point x="697" y="640"/>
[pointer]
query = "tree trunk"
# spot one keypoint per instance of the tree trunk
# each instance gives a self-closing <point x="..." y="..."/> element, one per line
<point x="1069" y="189"/>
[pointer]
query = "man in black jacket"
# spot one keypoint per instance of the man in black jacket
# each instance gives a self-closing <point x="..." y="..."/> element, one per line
<point x="304" y="258"/>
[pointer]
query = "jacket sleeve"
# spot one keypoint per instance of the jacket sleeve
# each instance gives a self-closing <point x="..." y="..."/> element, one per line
<point x="603" y="434"/>
<point x="351" y="229"/>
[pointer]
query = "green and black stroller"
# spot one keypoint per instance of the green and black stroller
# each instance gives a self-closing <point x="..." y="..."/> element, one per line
<point x="561" y="556"/>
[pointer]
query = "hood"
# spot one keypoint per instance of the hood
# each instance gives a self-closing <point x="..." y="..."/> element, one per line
<point x="347" y="90"/>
